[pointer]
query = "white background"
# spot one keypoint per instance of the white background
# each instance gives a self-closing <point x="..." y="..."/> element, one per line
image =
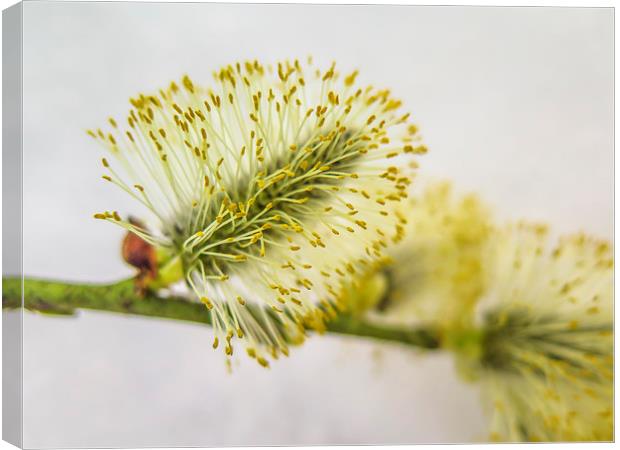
<point x="514" y="103"/>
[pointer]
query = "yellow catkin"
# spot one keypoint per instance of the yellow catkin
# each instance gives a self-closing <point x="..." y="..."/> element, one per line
<point x="291" y="166"/>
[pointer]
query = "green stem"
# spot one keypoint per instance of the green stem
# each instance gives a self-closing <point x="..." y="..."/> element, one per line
<point x="54" y="297"/>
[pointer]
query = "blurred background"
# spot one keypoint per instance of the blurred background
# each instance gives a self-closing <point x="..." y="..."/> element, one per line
<point x="514" y="103"/>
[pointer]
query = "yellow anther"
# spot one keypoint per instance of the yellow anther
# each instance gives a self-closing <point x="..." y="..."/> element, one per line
<point x="262" y="361"/>
<point x="206" y="302"/>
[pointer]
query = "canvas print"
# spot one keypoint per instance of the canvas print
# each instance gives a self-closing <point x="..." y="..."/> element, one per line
<point x="253" y="224"/>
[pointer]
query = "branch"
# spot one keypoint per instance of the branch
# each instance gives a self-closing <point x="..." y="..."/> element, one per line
<point x="54" y="297"/>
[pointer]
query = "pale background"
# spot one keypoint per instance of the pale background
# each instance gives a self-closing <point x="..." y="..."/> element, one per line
<point x="514" y="103"/>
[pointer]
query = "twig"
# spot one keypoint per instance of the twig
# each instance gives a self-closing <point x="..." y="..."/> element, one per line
<point x="54" y="297"/>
